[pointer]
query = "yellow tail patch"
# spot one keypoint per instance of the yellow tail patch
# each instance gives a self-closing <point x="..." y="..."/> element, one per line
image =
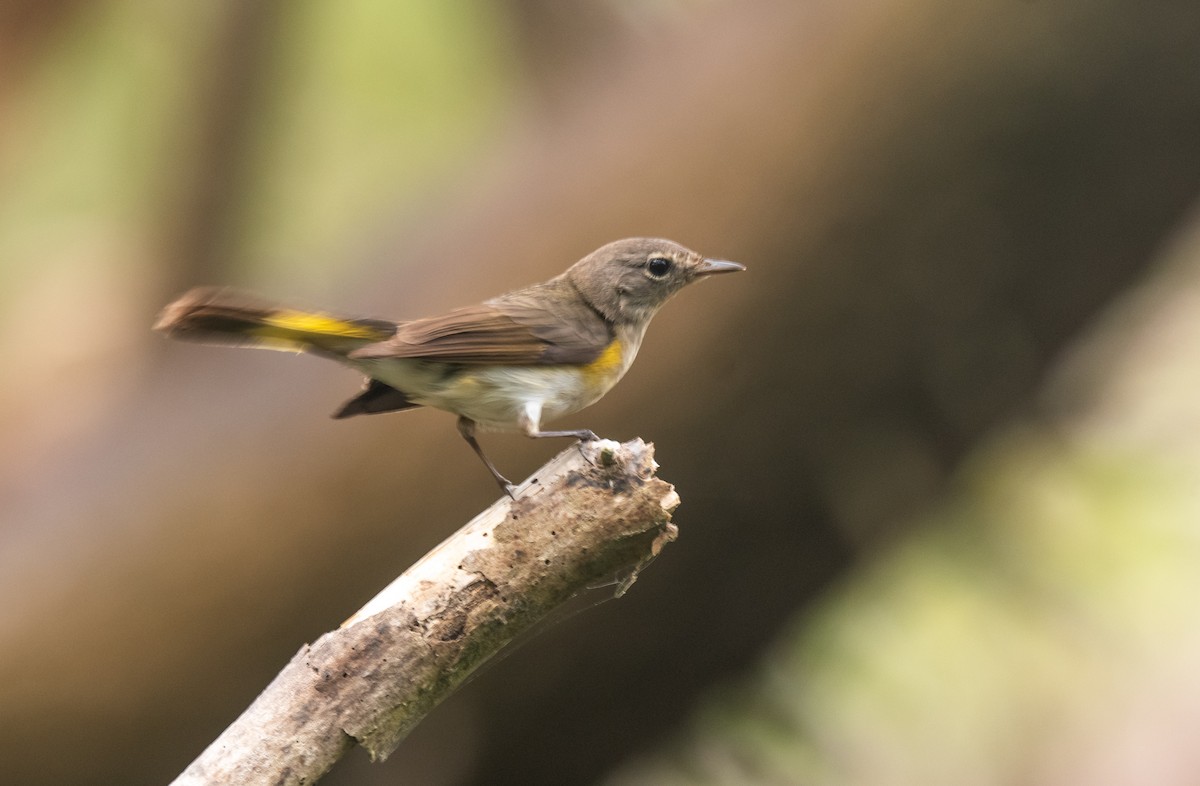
<point x="322" y="325"/>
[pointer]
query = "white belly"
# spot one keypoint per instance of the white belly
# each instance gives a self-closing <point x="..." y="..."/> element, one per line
<point x="495" y="397"/>
<point x="501" y="397"/>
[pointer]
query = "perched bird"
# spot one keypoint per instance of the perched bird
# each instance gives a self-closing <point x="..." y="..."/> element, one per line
<point x="509" y="363"/>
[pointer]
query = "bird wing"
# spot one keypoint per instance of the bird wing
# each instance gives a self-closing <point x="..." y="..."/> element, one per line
<point x="543" y="325"/>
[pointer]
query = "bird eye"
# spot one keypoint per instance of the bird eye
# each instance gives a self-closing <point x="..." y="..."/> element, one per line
<point x="658" y="267"/>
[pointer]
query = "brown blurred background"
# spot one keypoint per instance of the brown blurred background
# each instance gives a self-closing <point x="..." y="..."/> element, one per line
<point x="938" y="449"/>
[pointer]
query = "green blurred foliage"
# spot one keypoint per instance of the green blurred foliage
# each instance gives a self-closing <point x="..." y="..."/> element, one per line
<point x="1027" y="610"/>
<point x="365" y="103"/>
<point x="371" y="105"/>
<point x="86" y="144"/>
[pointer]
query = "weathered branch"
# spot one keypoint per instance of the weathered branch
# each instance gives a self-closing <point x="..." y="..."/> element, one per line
<point x="593" y="514"/>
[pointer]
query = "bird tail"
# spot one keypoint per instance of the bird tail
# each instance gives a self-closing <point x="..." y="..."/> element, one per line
<point x="223" y="316"/>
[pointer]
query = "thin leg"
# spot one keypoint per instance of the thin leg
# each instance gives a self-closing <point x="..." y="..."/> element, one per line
<point x="466" y="427"/>
<point x="583" y="435"/>
<point x="531" y="424"/>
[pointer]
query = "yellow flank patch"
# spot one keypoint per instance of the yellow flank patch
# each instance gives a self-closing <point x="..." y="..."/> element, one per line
<point x="320" y="324"/>
<point x="606" y="365"/>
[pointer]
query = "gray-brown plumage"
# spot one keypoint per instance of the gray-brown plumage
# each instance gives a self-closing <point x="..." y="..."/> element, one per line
<point x="508" y="363"/>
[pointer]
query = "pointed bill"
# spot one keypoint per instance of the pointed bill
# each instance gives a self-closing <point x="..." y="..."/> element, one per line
<point x="714" y="266"/>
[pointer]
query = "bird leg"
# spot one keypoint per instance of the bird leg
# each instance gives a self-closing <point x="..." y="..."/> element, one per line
<point x="531" y="421"/>
<point x="466" y="427"/>
<point x="583" y="435"/>
<point x="531" y="424"/>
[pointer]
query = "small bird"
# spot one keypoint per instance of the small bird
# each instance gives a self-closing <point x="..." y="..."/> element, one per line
<point x="507" y="364"/>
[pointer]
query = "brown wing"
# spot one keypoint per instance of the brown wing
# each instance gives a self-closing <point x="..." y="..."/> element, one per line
<point x="545" y="324"/>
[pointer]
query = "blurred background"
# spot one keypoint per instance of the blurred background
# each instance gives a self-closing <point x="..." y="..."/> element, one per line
<point x="938" y="449"/>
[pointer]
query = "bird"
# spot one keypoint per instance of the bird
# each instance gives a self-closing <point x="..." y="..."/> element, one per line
<point x="507" y="364"/>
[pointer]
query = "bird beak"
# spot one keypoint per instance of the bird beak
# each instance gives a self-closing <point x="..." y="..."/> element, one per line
<point x="712" y="266"/>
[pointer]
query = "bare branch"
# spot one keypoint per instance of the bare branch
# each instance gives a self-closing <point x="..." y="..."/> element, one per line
<point x="593" y="514"/>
